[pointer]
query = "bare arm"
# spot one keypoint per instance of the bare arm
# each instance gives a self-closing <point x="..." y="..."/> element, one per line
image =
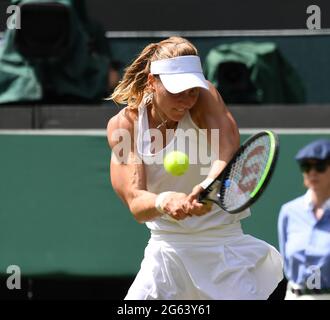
<point x="212" y="113"/>
<point x="219" y="117"/>
<point x="128" y="175"/>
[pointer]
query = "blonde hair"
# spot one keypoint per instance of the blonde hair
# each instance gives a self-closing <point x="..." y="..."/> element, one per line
<point x="131" y="89"/>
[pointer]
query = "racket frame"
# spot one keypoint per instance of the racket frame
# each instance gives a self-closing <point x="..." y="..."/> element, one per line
<point x="264" y="180"/>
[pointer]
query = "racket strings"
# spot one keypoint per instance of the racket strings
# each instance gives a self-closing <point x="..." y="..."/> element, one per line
<point x="245" y="173"/>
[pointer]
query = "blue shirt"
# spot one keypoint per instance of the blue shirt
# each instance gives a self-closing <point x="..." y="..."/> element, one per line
<point x="305" y="241"/>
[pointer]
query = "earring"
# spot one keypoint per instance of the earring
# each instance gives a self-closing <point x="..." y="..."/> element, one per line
<point x="148" y="98"/>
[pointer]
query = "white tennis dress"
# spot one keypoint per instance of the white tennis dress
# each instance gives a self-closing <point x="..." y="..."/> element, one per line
<point x="205" y="257"/>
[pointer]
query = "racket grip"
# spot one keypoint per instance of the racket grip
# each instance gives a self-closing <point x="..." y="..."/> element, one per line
<point x="202" y="195"/>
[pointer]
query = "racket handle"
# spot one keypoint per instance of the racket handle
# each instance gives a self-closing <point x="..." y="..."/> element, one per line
<point x="203" y="194"/>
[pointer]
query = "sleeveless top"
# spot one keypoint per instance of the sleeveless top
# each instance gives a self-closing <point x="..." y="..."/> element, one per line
<point x="190" y="139"/>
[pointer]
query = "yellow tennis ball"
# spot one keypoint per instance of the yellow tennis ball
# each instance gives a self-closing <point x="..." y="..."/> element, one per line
<point x="176" y="163"/>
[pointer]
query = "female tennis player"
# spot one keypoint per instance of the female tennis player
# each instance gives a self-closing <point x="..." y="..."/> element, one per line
<point x="196" y="251"/>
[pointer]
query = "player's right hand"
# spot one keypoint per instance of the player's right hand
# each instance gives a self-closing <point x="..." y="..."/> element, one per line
<point x="175" y="205"/>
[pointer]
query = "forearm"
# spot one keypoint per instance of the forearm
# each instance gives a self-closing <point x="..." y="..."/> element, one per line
<point x="228" y="145"/>
<point x="142" y="206"/>
<point x="216" y="168"/>
<point x="218" y="117"/>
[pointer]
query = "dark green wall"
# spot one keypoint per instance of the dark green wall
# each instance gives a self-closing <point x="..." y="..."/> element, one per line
<point x="59" y="214"/>
<point x="309" y="55"/>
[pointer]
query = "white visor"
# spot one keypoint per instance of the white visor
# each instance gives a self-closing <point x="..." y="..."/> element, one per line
<point x="180" y="73"/>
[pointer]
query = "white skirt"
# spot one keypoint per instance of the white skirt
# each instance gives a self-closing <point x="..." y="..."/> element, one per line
<point x="218" y="264"/>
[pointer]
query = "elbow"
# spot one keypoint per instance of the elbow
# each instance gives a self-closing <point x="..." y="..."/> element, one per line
<point x="236" y="145"/>
<point x="235" y="137"/>
<point x="133" y="206"/>
<point x="139" y="218"/>
<point x="137" y="214"/>
<point x="235" y="141"/>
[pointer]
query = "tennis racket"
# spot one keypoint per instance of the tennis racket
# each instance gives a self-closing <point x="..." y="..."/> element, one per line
<point x="246" y="176"/>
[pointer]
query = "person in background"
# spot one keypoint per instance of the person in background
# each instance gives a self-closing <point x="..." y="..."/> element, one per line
<point x="304" y="227"/>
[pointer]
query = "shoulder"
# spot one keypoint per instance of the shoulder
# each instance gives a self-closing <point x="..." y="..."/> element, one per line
<point x="209" y="97"/>
<point x="123" y="121"/>
<point x="209" y="108"/>
<point x="209" y="100"/>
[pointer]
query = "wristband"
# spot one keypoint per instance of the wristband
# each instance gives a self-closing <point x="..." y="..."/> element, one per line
<point x="204" y="184"/>
<point x="159" y="201"/>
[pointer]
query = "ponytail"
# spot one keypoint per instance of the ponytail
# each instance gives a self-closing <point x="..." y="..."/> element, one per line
<point x="131" y="89"/>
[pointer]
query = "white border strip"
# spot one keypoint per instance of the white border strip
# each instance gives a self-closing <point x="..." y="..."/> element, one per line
<point x="55" y="132"/>
<point x="102" y="132"/>
<point x="287" y="130"/>
<point x="213" y="33"/>
<point x="216" y="33"/>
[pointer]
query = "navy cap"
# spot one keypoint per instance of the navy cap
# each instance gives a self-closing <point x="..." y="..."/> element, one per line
<point x="319" y="149"/>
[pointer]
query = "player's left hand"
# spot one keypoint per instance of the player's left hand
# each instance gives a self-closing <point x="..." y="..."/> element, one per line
<point x="193" y="206"/>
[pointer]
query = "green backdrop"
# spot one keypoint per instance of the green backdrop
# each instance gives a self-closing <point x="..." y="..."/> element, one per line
<point x="59" y="214"/>
<point x="308" y="55"/>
